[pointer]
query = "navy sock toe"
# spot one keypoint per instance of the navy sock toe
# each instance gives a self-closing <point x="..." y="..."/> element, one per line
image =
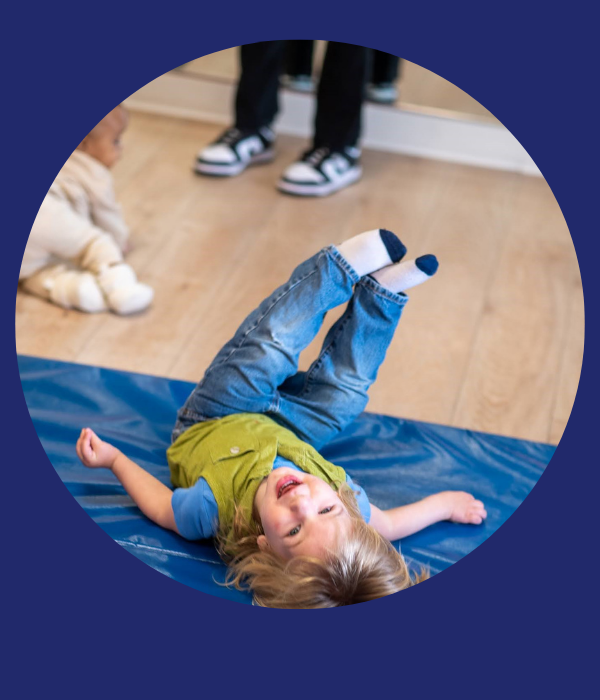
<point x="427" y="264"/>
<point x="394" y="246"/>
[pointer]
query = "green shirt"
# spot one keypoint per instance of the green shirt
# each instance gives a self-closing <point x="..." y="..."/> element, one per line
<point x="234" y="454"/>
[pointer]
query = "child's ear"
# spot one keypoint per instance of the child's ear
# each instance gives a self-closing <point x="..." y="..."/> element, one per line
<point x="262" y="543"/>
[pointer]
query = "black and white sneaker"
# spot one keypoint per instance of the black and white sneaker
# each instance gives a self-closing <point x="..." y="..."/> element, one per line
<point x="235" y="150"/>
<point x="321" y="172"/>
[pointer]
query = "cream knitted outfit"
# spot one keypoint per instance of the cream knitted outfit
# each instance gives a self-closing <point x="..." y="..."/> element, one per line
<point x="74" y="255"/>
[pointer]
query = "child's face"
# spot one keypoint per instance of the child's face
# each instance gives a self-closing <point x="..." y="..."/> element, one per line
<point x="104" y="142"/>
<point x="300" y="514"/>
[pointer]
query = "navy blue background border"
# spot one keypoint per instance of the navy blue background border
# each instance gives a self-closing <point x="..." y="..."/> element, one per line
<point x="85" y="619"/>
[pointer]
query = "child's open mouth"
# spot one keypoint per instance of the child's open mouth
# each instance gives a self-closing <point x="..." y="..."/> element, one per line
<point x="285" y="484"/>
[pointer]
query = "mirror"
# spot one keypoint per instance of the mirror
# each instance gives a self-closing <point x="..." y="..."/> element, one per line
<point x="415" y="89"/>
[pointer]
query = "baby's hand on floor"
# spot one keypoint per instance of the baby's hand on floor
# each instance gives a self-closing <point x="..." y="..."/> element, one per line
<point x="93" y="451"/>
<point x="463" y="508"/>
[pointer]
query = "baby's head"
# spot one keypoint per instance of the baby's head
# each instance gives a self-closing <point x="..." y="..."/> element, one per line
<point x="104" y="141"/>
<point x="309" y="547"/>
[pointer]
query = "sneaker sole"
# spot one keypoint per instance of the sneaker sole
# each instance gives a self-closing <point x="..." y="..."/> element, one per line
<point x="306" y="190"/>
<point x="231" y="169"/>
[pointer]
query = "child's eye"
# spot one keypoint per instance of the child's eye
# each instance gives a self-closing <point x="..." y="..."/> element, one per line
<point x="295" y="531"/>
<point x="326" y="510"/>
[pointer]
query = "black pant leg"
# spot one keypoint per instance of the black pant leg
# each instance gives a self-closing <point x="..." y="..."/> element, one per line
<point x="256" y="101"/>
<point x="386" y="67"/>
<point x="299" y="56"/>
<point x="346" y="68"/>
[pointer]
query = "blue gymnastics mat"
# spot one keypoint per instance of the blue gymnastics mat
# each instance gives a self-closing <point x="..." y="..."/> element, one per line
<point x="396" y="461"/>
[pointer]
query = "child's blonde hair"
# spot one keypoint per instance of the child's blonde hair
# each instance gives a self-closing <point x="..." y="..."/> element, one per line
<point x="364" y="567"/>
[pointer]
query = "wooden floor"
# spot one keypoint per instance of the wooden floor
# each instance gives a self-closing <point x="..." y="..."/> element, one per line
<point x="494" y="342"/>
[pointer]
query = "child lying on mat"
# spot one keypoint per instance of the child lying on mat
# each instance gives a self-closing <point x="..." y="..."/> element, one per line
<point x="74" y="255"/>
<point x="245" y="459"/>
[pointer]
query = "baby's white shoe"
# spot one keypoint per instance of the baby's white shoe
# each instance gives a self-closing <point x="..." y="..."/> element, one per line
<point x="124" y="294"/>
<point x="76" y="290"/>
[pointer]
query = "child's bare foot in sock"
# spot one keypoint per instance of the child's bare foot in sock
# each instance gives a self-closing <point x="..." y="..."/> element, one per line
<point x="398" y="278"/>
<point x="372" y="250"/>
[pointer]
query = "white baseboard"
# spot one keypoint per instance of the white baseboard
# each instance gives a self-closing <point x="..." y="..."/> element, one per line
<point x="386" y="129"/>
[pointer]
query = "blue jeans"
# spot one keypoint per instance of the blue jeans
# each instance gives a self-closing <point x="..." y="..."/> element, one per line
<point x="257" y="370"/>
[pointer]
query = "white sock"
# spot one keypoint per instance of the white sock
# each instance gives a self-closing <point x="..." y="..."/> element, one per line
<point x="76" y="290"/>
<point x="372" y="250"/>
<point x="399" y="278"/>
<point x="124" y="294"/>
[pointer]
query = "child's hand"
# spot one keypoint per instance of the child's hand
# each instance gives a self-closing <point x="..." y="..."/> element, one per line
<point x="94" y="452"/>
<point x="463" y="507"/>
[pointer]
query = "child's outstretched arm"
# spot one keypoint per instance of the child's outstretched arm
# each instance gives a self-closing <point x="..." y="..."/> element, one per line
<point x="456" y="506"/>
<point x="151" y="496"/>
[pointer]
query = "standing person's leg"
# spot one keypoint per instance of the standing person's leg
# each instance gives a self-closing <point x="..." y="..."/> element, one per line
<point x="340" y="96"/>
<point x="299" y="65"/>
<point x="245" y="374"/>
<point x="386" y="67"/>
<point x="333" y="161"/>
<point x="256" y="102"/>
<point x="384" y="75"/>
<point x="320" y="403"/>
<point x="250" y="141"/>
